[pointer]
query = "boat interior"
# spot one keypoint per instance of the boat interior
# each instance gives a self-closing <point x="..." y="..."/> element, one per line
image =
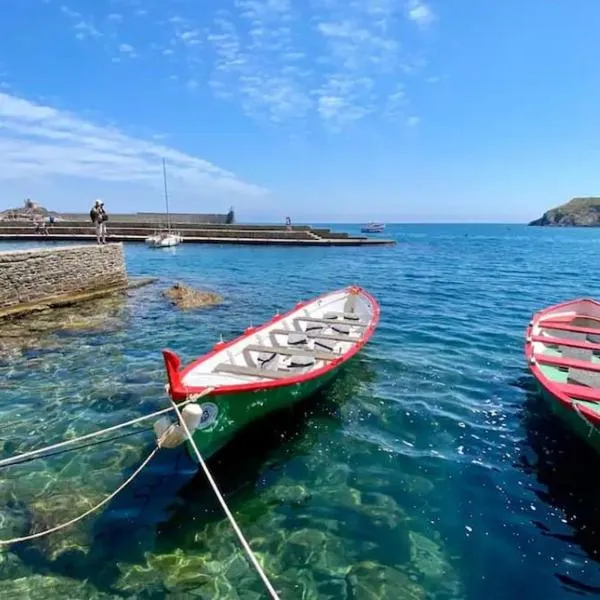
<point x="566" y="347"/>
<point x="306" y="340"/>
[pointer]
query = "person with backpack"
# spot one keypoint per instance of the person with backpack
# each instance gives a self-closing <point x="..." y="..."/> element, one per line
<point x="99" y="217"/>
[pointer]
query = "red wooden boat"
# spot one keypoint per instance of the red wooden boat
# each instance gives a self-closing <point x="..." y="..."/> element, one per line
<point x="563" y="352"/>
<point x="272" y="366"/>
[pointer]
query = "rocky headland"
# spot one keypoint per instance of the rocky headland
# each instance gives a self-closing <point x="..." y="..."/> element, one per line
<point x="578" y="212"/>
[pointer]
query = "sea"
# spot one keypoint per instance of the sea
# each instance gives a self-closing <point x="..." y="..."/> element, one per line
<point x="430" y="468"/>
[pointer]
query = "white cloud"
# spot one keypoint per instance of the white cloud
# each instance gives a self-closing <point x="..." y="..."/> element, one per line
<point x="84" y="29"/>
<point x="190" y="37"/>
<point x="420" y="12"/>
<point x="256" y="62"/>
<point x="127" y="49"/>
<point x="116" y="17"/>
<point x="38" y="141"/>
<point x="65" y="10"/>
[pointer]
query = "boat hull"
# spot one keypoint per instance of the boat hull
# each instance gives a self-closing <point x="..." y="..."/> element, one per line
<point x="234" y="412"/>
<point x="573" y="421"/>
<point x="273" y="366"/>
<point x="560" y="349"/>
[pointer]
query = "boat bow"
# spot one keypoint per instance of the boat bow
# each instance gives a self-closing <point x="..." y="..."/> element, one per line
<point x="172" y="364"/>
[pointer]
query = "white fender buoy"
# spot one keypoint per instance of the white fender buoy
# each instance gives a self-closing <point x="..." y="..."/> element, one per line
<point x="192" y="413"/>
<point x="173" y="434"/>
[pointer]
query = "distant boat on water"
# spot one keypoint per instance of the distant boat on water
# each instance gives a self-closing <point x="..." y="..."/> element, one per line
<point x="165" y="238"/>
<point x="373" y="228"/>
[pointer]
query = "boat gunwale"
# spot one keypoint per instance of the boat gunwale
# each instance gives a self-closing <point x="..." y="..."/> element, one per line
<point x="178" y="390"/>
<point x="551" y="387"/>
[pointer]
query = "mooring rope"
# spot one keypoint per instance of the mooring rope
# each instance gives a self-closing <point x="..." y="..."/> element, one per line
<point x="578" y="412"/>
<point x="20" y="457"/>
<point x="82" y="516"/>
<point x="230" y="516"/>
<point x="19" y="461"/>
<point x="173" y="407"/>
<point x="100" y="504"/>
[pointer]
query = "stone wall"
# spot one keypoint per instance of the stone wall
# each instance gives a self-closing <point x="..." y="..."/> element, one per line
<point x="29" y="276"/>
<point x="149" y="218"/>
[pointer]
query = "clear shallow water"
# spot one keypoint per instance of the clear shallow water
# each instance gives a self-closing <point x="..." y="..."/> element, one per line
<point x="429" y="470"/>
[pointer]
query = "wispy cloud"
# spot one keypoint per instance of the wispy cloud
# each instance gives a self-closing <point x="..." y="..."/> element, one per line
<point x="331" y="61"/>
<point x="127" y="49"/>
<point x="344" y="63"/>
<point x="420" y="12"/>
<point x="83" y="27"/>
<point x="40" y="141"/>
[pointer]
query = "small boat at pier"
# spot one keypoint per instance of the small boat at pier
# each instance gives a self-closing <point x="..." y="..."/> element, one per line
<point x="164" y="238"/>
<point x="373" y="228"/>
<point x="563" y="351"/>
<point x="269" y="367"/>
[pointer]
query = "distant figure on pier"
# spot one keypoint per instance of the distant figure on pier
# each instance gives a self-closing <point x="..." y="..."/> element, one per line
<point x="99" y="217"/>
<point x="288" y="223"/>
<point x="40" y="226"/>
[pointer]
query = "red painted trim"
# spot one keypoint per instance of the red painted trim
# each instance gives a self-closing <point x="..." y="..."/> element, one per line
<point x="550" y="340"/>
<point x="563" y="392"/>
<point x="578" y="392"/>
<point x="559" y="361"/>
<point x="561" y="326"/>
<point x="179" y="391"/>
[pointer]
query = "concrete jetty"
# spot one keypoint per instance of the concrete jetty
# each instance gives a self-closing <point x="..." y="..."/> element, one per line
<point x="200" y="233"/>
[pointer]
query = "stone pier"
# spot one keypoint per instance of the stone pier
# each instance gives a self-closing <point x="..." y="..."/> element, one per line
<point x="40" y="278"/>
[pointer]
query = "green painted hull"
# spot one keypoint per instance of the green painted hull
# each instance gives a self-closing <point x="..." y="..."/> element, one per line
<point x="236" y="411"/>
<point x="577" y="424"/>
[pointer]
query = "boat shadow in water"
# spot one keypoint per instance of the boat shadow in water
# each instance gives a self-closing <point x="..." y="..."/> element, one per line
<point x="151" y="514"/>
<point x="564" y="467"/>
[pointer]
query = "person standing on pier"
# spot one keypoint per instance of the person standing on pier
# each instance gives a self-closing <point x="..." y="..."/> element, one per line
<point x="99" y="218"/>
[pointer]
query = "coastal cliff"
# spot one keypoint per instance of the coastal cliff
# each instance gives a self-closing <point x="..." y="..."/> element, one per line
<point x="578" y="212"/>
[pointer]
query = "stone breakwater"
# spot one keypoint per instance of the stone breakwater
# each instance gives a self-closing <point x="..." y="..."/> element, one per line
<point x="43" y="277"/>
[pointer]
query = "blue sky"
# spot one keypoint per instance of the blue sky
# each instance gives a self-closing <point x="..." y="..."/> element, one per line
<point x="345" y="110"/>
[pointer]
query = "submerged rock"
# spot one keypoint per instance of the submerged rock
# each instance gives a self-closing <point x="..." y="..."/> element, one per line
<point x="372" y="581"/>
<point x="186" y="297"/>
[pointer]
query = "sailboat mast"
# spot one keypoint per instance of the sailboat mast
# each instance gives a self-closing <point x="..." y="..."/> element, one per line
<point x="166" y="195"/>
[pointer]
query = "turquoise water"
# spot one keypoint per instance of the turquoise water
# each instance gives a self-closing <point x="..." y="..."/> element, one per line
<point x="429" y="470"/>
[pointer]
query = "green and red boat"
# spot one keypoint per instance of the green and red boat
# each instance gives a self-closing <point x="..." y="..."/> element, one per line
<point x="563" y="351"/>
<point x="270" y="367"/>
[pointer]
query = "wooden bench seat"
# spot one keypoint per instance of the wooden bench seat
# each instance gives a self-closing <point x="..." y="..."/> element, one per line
<point x="290" y="351"/>
<point x="331" y="321"/>
<point x="252" y="371"/>
<point x="320" y="336"/>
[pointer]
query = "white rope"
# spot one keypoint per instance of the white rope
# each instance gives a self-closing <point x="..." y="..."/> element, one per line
<point x="20" y="457"/>
<point x="40" y="534"/>
<point x="231" y="518"/>
<point x="575" y="405"/>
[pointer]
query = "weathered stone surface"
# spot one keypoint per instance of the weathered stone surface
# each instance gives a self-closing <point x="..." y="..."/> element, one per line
<point x="185" y="297"/>
<point x="29" y="276"/>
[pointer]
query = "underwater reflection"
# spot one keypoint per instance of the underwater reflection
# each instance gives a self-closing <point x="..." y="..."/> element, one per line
<point x="564" y="467"/>
<point x="171" y="500"/>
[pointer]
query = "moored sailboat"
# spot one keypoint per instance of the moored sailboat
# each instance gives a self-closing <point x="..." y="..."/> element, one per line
<point x="165" y="238"/>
